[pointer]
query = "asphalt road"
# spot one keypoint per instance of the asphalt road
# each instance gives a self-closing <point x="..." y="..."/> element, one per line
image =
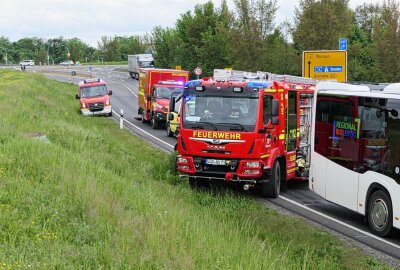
<point x="297" y="199"/>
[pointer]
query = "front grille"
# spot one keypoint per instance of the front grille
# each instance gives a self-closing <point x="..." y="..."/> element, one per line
<point x="95" y="107"/>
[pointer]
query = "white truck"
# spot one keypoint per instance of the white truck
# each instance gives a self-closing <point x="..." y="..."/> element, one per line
<point x="137" y="61"/>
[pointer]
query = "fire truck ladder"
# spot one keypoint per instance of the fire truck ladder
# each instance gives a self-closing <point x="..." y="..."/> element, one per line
<point x="236" y="75"/>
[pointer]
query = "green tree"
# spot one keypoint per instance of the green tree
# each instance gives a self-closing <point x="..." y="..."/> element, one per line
<point x="362" y="57"/>
<point x="387" y="40"/>
<point x="249" y="42"/>
<point x="320" y="23"/>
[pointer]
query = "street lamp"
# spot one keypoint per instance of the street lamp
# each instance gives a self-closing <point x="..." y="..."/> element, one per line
<point x="48" y="56"/>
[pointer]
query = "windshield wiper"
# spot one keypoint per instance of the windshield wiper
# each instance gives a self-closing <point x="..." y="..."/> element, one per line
<point x="204" y="123"/>
<point x="239" y="127"/>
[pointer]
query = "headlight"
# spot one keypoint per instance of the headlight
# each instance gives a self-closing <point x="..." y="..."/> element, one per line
<point x="107" y="102"/>
<point x="182" y="160"/>
<point x="159" y="106"/>
<point x="83" y="105"/>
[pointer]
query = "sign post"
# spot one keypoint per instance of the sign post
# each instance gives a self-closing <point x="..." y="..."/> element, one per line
<point x="198" y="71"/>
<point x="325" y="65"/>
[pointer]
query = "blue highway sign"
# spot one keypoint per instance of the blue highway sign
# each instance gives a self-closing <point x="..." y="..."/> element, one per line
<point x="343" y="44"/>
<point x="328" y="69"/>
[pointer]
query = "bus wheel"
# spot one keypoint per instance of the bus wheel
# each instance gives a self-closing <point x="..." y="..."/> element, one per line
<point x="272" y="188"/>
<point x="197" y="183"/>
<point x="169" y="132"/>
<point x="380" y="215"/>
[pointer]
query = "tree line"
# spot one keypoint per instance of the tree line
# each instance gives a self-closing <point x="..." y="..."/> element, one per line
<point x="247" y="38"/>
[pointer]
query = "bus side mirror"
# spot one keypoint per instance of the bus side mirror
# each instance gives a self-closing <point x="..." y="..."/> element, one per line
<point x="275" y="121"/>
<point x="275" y="108"/>
<point x="77" y="96"/>
<point x="170" y="116"/>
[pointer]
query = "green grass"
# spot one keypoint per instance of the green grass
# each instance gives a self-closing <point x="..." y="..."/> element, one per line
<point x="96" y="197"/>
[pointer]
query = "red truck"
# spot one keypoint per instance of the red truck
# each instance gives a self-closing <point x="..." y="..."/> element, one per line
<point x="255" y="132"/>
<point x="155" y="89"/>
<point x="94" y="97"/>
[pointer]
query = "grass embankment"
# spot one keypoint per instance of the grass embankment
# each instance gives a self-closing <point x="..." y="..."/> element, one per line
<point x="96" y="197"/>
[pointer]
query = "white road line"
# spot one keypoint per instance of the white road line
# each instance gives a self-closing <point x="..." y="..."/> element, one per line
<point x="130" y="90"/>
<point x="154" y="137"/>
<point x="341" y="222"/>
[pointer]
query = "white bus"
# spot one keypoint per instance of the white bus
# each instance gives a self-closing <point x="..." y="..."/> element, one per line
<point x="355" y="154"/>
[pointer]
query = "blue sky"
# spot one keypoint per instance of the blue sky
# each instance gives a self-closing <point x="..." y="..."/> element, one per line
<point x="91" y="19"/>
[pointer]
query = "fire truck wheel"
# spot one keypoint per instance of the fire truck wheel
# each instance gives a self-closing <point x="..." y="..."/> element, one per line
<point x="271" y="188"/>
<point x="169" y="132"/>
<point x="154" y="123"/>
<point x="196" y="183"/>
<point x="380" y="215"/>
<point x="110" y="114"/>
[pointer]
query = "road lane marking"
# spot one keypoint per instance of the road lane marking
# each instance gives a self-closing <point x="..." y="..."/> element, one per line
<point x="341" y="222"/>
<point x="130" y="90"/>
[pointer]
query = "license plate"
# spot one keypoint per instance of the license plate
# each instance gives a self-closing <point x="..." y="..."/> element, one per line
<point x="216" y="162"/>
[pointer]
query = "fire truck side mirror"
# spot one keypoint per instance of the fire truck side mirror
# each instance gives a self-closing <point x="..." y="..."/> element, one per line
<point x="170" y="116"/>
<point x="275" y="121"/>
<point x="172" y="104"/>
<point x="275" y="108"/>
<point x="77" y="96"/>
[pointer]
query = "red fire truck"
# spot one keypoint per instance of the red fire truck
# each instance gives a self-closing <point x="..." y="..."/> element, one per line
<point x="249" y="128"/>
<point x="155" y="89"/>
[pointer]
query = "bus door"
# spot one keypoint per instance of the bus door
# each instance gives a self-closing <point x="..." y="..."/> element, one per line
<point x="337" y="139"/>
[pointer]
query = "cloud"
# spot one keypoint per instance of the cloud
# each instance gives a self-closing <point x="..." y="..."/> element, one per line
<point x="91" y="19"/>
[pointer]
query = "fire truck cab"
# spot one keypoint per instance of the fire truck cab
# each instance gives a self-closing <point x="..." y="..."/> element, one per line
<point x="155" y="89"/>
<point x="94" y="97"/>
<point x="253" y="129"/>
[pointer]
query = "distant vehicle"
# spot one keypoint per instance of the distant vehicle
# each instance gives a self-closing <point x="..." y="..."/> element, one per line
<point x="67" y="63"/>
<point x="137" y="61"/>
<point x="155" y="89"/>
<point x="94" y="97"/>
<point x="27" y="63"/>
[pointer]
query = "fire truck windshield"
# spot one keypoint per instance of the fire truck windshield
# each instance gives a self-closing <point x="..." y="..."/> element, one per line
<point x="220" y="113"/>
<point x="93" y="91"/>
<point x="165" y="92"/>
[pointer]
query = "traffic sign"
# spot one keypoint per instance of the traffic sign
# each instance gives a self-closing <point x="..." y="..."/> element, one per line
<point x="343" y="44"/>
<point x="325" y="65"/>
<point x="198" y="71"/>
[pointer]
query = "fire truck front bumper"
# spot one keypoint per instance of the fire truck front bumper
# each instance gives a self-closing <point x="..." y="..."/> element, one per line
<point x="249" y="171"/>
<point x="87" y="111"/>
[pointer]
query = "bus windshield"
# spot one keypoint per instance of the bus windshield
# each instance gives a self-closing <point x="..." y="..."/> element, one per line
<point x="220" y="113"/>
